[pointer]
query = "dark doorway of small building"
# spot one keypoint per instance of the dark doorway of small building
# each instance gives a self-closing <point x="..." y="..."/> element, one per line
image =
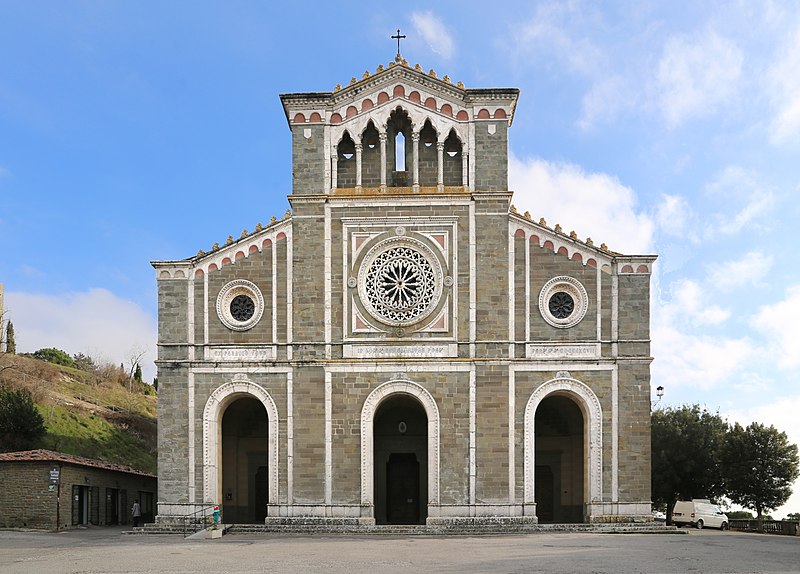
<point x="114" y="512"/>
<point x="559" y="479"/>
<point x="80" y="504"/>
<point x="244" y="462"/>
<point x="400" y="437"/>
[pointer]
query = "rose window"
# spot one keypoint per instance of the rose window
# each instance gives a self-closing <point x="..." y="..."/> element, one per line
<point x="240" y="305"/>
<point x="401" y="284"/>
<point x="561" y="305"/>
<point x="563" y="302"/>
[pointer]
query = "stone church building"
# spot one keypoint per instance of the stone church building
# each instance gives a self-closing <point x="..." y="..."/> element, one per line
<point x="403" y="347"/>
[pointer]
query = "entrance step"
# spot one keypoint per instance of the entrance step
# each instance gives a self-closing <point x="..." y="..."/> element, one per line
<point x="456" y="528"/>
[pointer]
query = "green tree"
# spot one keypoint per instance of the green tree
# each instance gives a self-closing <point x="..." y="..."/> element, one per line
<point x="56" y="356"/>
<point x="84" y="362"/>
<point x="21" y="425"/>
<point x="686" y="442"/>
<point x="760" y="465"/>
<point x="11" y="343"/>
<point x="793" y="516"/>
<point x="137" y="375"/>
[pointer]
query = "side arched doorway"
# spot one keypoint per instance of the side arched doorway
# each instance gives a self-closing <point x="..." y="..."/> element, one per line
<point x="245" y="450"/>
<point x="559" y="472"/>
<point x="400" y="435"/>
<point x="240" y="450"/>
<point x="563" y="471"/>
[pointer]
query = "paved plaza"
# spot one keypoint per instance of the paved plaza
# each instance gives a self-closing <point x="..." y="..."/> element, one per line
<point x="98" y="550"/>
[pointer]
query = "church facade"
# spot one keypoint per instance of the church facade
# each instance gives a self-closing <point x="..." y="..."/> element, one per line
<point x="402" y="346"/>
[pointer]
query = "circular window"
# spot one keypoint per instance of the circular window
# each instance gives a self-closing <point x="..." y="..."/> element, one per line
<point x="240" y="305"/>
<point x="400" y="281"/>
<point x="563" y="302"/>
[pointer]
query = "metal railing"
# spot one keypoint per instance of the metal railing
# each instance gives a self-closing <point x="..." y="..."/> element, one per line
<point x="200" y="518"/>
<point x="789" y="527"/>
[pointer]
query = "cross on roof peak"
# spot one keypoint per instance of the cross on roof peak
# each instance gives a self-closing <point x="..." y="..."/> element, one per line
<point x="398" y="58"/>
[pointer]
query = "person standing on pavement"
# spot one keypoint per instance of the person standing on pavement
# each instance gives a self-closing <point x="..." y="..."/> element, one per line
<point x="137" y="513"/>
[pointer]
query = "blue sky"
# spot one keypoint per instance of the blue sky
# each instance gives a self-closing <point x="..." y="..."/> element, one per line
<point x="132" y="131"/>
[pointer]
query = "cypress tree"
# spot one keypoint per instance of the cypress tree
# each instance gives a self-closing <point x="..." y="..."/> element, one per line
<point x="11" y="344"/>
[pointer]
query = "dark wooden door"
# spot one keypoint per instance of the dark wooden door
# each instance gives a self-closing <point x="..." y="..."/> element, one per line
<point x="402" y="489"/>
<point x="545" y="494"/>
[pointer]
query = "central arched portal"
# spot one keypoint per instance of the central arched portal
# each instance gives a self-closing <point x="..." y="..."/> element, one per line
<point x="400" y="435"/>
<point x="245" y="485"/>
<point x="560" y="477"/>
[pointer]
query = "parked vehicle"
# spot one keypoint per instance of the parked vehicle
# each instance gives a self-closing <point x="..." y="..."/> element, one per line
<point x="700" y="513"/>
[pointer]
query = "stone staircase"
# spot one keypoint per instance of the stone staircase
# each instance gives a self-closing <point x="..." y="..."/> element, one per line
<point x="465" y="527"/>
<point x="451" y="527"/>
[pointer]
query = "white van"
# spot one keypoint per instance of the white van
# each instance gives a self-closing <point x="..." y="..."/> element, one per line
<point x="699" y="512"/>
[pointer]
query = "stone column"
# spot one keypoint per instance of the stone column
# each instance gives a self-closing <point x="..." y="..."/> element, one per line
<point x="358" y="166"/>
<point x="383" y="137"/>
<point x="415" y="161"/>
<point x="464" y="168"/>
<point x="440" y="160"/>
<point x="335" y="168"/>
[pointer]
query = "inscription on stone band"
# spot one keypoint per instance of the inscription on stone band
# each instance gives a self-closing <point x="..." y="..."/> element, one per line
<point x="222" y="354"/>
<point x="576" y="351"/>
<point x="398" y="351"/>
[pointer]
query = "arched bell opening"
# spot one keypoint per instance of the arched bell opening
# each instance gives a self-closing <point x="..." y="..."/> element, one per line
<point x="398" y="148"/>
<point x="245" y="467"/>
<point x="346" y="162"/>
<point x="428" y="156"/>
<point x="453" y="172"/>
<point x="400" y="443"/>
<point x="370" y="157"/>
<point x="560" y="460"/>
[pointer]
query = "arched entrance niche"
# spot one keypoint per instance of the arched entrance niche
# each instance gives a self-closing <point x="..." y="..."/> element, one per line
<point x="401" y="451"/>
<point x="240" y="450"/>
<point x="565" y="417"/>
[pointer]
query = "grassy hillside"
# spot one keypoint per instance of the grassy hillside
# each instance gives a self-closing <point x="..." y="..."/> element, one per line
<point x="92" y="413"/>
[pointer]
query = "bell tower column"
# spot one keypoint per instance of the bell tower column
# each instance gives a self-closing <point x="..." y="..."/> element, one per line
<point x="382" y="136"/>
<point x="415" y="160"/>
<point x="440" y="165"/>
<point x="334" y="167"/>
<point x="359" y="147"/>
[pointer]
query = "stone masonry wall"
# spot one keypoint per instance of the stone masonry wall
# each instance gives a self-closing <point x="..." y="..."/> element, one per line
<point x="545" y="265"/>
<point x="491" y="236"/>
<point x="634" y="424"/>
<point x="308" y="161"/>
<point x="256" y="268"/>
<point x="491" y="441"/>
<point x="491" y="156"/>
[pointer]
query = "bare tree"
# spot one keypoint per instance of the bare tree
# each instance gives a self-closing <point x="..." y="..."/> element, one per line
<point x="135" y="357"/>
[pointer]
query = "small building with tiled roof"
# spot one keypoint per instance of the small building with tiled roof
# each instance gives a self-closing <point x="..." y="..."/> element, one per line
<point x="42" y="489"/>
<point x="403" y="346"/>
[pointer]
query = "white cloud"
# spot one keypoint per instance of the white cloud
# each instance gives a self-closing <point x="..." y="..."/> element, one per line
<point x="689" y="300"/>
<point x="551" y="36"/>
<point x="731" y="184"/>
<point x="593" y="204"/>
<point x="780" y="325"/>
<point x="95" y="322"/>
<point x="750" y="269"/>
<point x="434" y="32"/>
<point x="696" y="76"/>
<point x="673" y="215"/>
<point x="605" y="100"/>
<point x="694" y="361"/>
<point x="4" y="172"/>
<point x="783" y="80"/>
